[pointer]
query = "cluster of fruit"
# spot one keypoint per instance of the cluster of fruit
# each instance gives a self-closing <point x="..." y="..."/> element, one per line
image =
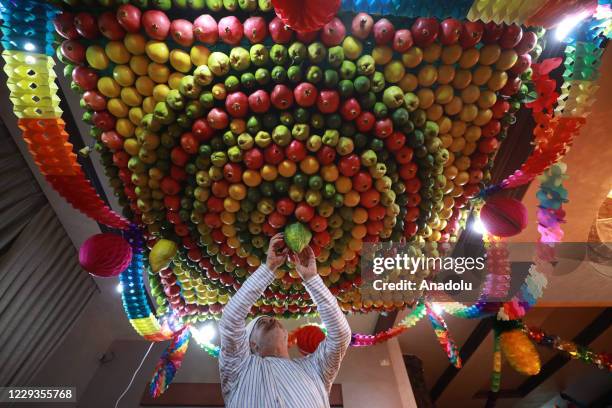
<point x="214" y="6"/>
<point x="377" y="134"/>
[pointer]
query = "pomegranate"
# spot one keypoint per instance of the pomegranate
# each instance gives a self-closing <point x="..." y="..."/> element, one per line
<point x="104" y="120"/>
<point x="362" y="24"/>
<point x="73" y="51"/>
<point x="110" y="27"/>
<point x="94" y="100"/>
<point x="296" y="151"/>
<point x="205" y="29"/>
<point x="305" y="94"/>
<point x="85" y="24"/>
<point x="333" y="33"/>
<point x="307" y="37"/>
<point x="237" y="104"/>
<point x="181" y="32"/>
<point x="521" y="65"/>
<point x="253" y="159"/>
<point x="85" y="78"/>
<point x="281" y="97"/>
<point x="326" y="155"/>
<point x="492" y="32"/>
<point x="230" y="30"/>
<point x="328" y="101"/>
<point x="527" y="43"/>
<point x="280" y="32"/>
<point x="259" y="101"/>
<point x="425" y="31"/>
<point x="471" y="33"/>
<point x="450" y="31"/>
<point x="156" y="24"/>
<point x="384" y="31"/>
<point x="350" y="109"/>
<point x="402" y="40"/>
<point x="128" y="17"/>
<point x="511" y="37"/>
<point x="255" y="29"/>
<point x="217" y="118"/>
<point x="64" y="26"/>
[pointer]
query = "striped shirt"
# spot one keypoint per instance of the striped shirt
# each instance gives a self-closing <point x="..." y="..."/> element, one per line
<point x="251" y="381"/>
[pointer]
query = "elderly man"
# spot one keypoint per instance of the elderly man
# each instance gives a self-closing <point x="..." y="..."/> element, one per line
<point x="254" y="363"/>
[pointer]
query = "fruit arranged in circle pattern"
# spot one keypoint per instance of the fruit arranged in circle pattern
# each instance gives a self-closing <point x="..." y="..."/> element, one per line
<point x="220" y="132"/>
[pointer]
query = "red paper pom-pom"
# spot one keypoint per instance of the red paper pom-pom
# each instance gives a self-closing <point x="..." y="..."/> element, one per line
<point x="306" y="16"/>
<point x="504" y="217"/>
<point x="105" y="255"/>
<point x="308" y="338"/>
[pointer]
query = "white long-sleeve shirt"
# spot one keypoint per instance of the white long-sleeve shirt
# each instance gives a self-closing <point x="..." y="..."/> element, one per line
<point x="251" y="381"/>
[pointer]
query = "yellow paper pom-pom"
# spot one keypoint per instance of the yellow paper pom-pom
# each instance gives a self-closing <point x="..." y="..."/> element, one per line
<point x="520" y="352"/>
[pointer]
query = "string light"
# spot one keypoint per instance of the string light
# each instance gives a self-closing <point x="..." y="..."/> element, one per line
<point x="119" y="288"/>
<point x="568" y="24"/>
<point x="204" y="334"/>
<point x="29" y="47"/>
<point x="479" y="227"/>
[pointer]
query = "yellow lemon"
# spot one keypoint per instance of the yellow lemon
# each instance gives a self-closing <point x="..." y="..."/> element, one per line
<point x="427" y="75"/>
<point x="144" y="86"/>
<point x="96" y="57"/>
<point x="444" y="94"/>
<point x="139" y="64"/>
<point x="130" y="96"/>
<point x="135" y="43"/>
<point x="497" y="81"/>
<point x="432" y="53"/>
<point x="180" y="60"/>
<point x="174" y="80"/>
<point x="469" y="58"/>
<point x="158" y="72"/>
<point x="199" y="55"/>
<point x="489" y="54"/>
<point x="117" y="52"/>
<point x="160" y="92"/>
<point x="394" y="72"/>
<point x="463" y="78"/>
<point x="412" y="57"/>
<point x="123" y="75"/>
<point x="506" y="60"/>
<point x="470" y="94"/>
<point x="451" y="54"/>
<point x="124" y="127"/>
<point x="109" y="87"/>
<point x="135" y="114"/>
<point x="409" y="82"/>
<point x="382" y="54"/>
<point x="157" y="51"/>
<point x="117" y="108"/>
<point x="481" y="74"/>
<point x="446" y="74"/>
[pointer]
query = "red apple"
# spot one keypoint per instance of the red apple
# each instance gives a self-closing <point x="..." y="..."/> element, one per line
<point x="304" y="212"/>
<point x="255" y="29"/>
<point x="85" y="78"/>
<point x="217" y="118"/>
<point x="527" y="43"/>
<point x="74" y="51"/>
<point x="362" y="181"/>
<point x="281" y="97"/>
<point x="328" y="101"/>
<point x="253" y="159"/>
<point x="273" y="154"/>
<point x="205" y="29"/>
<point x="349" y="165"/>
<point x="230" y="30"/>
<point x="305" y="94"/>
<point x="365" y="122"/>
<point x="94" y="100"/>
<point x="237" y="104"/>
<point x="492" y="32"/>
<point x="295" y="151"/>
<point x="181" y="32"/>
<point x="326" y="155"/>
<point x="350" y="109"/>
<point x="285" y="206"/>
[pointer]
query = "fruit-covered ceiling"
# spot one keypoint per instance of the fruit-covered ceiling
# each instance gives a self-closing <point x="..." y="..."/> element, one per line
<point x="221" y="123"/>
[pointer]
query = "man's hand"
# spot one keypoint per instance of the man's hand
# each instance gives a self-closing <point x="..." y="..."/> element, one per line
<point x="277" y="252"/>
<point x="305" y="263"/>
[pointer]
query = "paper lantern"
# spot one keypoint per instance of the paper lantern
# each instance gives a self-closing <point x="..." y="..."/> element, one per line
<point x="308" y="338"/>
<point x="105" y="255"/>
<point x="305" y="16"/>
<point x="504" y="217"/>
<point x="520" y="352"/>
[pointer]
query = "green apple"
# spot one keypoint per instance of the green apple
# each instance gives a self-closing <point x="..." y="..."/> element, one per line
<point x="281" y="135"/>
<point x="263" y="139"/>
<point x="393" y="97"/>
<point x="345" y="146"/>
<point x="314" y="143"/>
<point x="368" y="158"/>
<point x="245" y="141"/>
<point x="300" y="131"/>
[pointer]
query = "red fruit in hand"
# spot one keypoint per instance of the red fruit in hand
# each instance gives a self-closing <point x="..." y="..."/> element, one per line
<point x="205" y="29"/>
<point x="395" y="142"/>
<point x="255" y="29"/>
<point x="128" y="17"/>
<point x="511" y="37"/>
<point x="362" y="181"/>
<point x="296" y="151"/>
<point x="305" y="94"/>
<point x="181" y="32"/>
<point x="361" y="26"/>
<point x="304" y="212"/>
<point x="110" y="27"/>
<point x="365" y="122"/>
<point x="202" y="130"/>
<point x="217" y="119"/>
<point x="285" y="206"/>
<point x="230" y="30"/>
<point x="492" y="32"/>
<point x="253" y="159"/>
<point x="273" y="154"/>
<point x="281" y="97"/>
<point x="333" y="32"/>
<point x="259" y="101"/>
<point x="156" y="24"/>
<point x="402" y="40"/>
<point x="86" y="25"/>
<point x="350" y="109"/>
<point x="232" y="172"/>
<point x="471" y="33"/>
<point x="85" y="78"/>
<point x="425" y="31"/>
<point x="383" y="128"/>
<point x="349" y="165"/>
<point x="64" y="26"/>
<point x="384" y="31"/>
<point x="328" y="101"/>
<point x="237" y="104"/>
<point x="280" y="33"/>
<point x="450" y="31"/>
<point x="326" y="155"/>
